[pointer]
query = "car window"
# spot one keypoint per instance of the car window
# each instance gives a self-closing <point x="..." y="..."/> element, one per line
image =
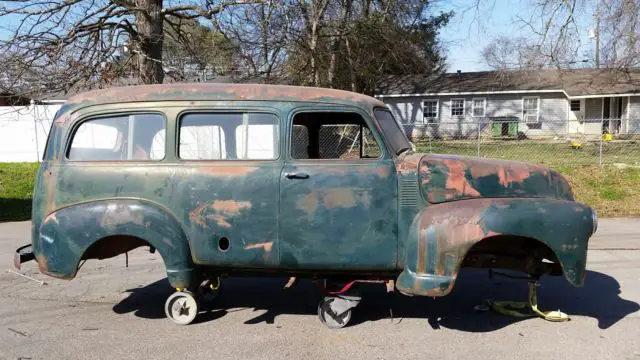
<point x="332" y="135"/>
<point x="228" y="136"/>
<point x="121" y="137"/>
<point x="392" y="131"/>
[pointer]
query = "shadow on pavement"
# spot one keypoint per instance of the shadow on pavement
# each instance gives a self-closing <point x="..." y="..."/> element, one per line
<point x="599" y="299"/>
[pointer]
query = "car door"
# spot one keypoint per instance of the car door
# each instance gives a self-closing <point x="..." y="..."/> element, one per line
<point x="338" y="191"/>
<point x="229" y="176"/>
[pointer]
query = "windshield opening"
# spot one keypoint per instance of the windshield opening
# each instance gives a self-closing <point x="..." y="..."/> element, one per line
<point x="392" y="131"/>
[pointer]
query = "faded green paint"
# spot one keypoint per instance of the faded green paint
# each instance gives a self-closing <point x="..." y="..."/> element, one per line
<point x="343" y="217"/>
<point x="412" y="217"/>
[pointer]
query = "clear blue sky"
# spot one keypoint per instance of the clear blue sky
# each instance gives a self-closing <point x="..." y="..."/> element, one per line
<point x="470" y="31"/>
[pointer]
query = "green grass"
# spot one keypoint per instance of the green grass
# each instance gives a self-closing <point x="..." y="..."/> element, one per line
<point x="550" y="153"/>
<point x="612" y="191"/>
<point x="16" y="186"/>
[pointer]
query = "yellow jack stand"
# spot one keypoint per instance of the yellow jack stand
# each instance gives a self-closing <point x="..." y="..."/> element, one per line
<point x="511" y="308"/>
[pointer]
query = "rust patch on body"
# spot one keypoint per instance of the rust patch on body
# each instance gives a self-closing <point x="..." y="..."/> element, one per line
<point x="309" y="203"/>
<point x="334" y="198"/>
<point x="196" y="215"/>
<point x="221" y="210"/>
<point x="457" y="180"/>
<point x="340" y="197"/>
<point x="230" y="170"/>
<point x="266" y="246"/>
<point x="408" y="164"/>
<point x="230" y="207"/>
<point x="42" y="264"/>
<point x="383" y="172"/>
<point x="220" y="220"/>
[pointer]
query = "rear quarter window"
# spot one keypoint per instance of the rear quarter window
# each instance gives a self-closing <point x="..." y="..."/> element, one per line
<point x="136" y="137"/>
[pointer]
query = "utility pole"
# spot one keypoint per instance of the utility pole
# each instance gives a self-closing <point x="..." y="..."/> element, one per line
<point x="597" y="33"/>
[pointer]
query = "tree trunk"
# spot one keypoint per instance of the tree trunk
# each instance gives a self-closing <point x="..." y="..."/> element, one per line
<point x="150" y="23"/>
<point x="345" y="7"/>
<point x="352" y="76"/>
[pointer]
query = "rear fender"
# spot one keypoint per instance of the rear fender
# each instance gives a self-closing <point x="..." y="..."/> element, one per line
<point x="441" y="235"/>
<point x="66" y="234"/>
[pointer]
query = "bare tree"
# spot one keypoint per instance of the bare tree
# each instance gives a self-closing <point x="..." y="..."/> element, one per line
<point x="195" y="51"/>
<point x="61" y="44"/>
<point x="262" y="33"/>
<point x="558" y="27"/>
<point x="620" y="33"/>
<point x="506" y="52"/>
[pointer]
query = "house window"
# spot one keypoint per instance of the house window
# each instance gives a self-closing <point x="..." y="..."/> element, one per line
<point x="479" y="107"/>
<point x="430" y="110"/>
<point x="457" y="107"/>
<point x="575" y="105"/>
<point x="531" y="110"/>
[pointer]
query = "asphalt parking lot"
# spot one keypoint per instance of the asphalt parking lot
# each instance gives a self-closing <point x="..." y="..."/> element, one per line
<point x="111" y="311"/>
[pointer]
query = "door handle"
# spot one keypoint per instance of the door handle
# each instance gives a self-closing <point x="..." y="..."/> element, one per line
<point x="296" y="175"/>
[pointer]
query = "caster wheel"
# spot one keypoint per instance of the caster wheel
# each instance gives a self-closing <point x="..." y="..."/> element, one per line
<point x="181" y="308"/>
<point x="329" y="318"/>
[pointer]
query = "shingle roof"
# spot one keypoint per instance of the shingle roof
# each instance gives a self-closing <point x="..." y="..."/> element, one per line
<point x="575" y="82"/>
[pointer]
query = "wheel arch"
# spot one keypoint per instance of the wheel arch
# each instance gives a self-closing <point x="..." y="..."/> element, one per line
<point x="442" y="237"/>
<point x="81" y="231"/>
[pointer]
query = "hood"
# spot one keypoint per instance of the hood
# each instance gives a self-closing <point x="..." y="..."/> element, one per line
<point x="445" y="178"/>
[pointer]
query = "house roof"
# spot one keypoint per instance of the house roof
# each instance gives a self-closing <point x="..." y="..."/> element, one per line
<point x="574" y="82"/>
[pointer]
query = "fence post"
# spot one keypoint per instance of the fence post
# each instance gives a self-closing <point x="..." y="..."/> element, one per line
<point x="478" y="129"/>
<point x="34" y="113"/>
<point x="600" y="136"/>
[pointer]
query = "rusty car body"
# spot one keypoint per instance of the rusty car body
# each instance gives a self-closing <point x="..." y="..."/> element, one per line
<point x="301" y="209"/>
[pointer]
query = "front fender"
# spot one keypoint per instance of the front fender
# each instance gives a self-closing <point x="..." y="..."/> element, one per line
<point x="66" y="234"/>
<point x="441" y="235"/>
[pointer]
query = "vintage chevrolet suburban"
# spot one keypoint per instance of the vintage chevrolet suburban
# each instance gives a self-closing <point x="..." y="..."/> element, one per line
<point x="258" y="179"/>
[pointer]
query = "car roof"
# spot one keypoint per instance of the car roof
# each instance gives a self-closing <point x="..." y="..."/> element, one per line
<point x="217" y="92"/>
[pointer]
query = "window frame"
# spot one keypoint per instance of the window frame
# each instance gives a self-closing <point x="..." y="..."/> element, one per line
<point x="463" y="107"/>
<point x="435" y="118"/>
<point x="579" y="105"/>
<point x="241" y="110"/>
<point x="380" y="141"/>
<point x="524" y="119"/>
<point x="484" y="107"/>
<point x="109" y="114"/>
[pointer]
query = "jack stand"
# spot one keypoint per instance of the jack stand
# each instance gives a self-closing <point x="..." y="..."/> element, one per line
<point x="511" y="307"/>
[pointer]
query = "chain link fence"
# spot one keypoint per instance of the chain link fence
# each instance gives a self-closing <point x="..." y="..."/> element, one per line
<point x="334" y="141"/>
<point x="551" y="142"/>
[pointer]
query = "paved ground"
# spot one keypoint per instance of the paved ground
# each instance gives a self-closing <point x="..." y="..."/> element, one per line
<point x="112" y="312"/>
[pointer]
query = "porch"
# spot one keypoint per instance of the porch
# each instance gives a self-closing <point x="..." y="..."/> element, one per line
<point x="599" y="114"/>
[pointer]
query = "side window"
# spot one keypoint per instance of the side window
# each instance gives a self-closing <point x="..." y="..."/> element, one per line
<point x="332" y="135"/>
<point x="299" y="142"/>
<point x="228" y="136"/>
<point x="123" y="137"/>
